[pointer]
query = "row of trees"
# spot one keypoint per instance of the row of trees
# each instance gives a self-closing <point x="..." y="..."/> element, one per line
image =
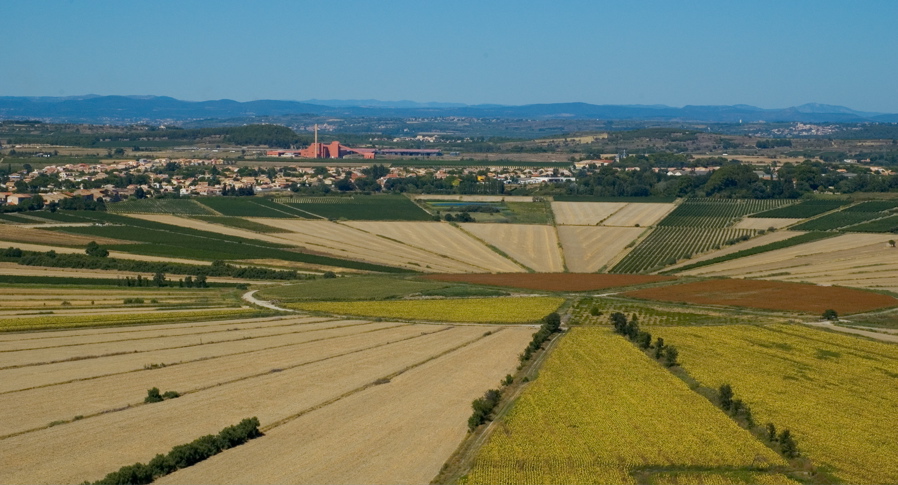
<point x="183" y="456"/>
<point x="666" y="353"/>
<point x="783" y="441"/>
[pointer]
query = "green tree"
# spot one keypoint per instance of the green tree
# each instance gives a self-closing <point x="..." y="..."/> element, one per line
<point x="670" y="356"/>
<point x="830" y="315"/>
<point x="726" y="396"/>
<point x="788" y="447"/>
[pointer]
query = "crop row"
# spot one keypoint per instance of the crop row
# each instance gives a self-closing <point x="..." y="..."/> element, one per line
<point x="792" y="241"/>
<point x="250" y="207"/>
<point x="599" y="411"/>
<point x="836" y="393"/>
<point x="159" y="206"/>
<point x="475" y="310"/>
<point x="313" y="200"/>
<point x="667" y="245"/>
<point x="596" y="311"/>
<point x="368" y="208"/>
<point x="886" y="224"/>
<point x="802" y="210"/>
<point x="837" y="220"/>
<point x="74" y="321"/>
<point x="874" y="206"/>
<point x="715" y="213"/>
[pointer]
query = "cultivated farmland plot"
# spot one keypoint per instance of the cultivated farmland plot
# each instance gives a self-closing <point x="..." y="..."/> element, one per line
<point x="443" y="239"/>
<point x="587" y="249"/>
<point x="717" y="213"/>
<point x="600" y="410"/>
<point x="759" y="223"/>
<point x="584" y="213"/>
<point x="769" y="238"/>
<point x="836" y="393"/>
<point x="636" y="214"/>
<point x="534" y="246"/>
<point x="160" y="206"/>
<point x="330" y="373"/>
<point x="367" y="437"/>
<point x="667" y="245"/>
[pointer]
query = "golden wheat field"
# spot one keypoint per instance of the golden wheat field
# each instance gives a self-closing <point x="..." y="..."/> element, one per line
<point x="584" y="213"/>
<point x="599" y="411"/>
<point x="589" y="249"/>
<point x="534" y="246"/>
<point x="836" y="393"/>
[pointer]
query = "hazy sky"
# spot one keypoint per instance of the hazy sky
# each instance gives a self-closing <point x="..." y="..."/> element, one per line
<point x="768" y="54"/>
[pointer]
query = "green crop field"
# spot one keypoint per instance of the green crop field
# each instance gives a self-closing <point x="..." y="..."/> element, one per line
<point x="17" y="219"/>
<point x="366" y="208"/>
<point x="350" y="288"/>
<point x="59" y="216"/>
<point x="837" y="220"/>
<point x="716" y="213"/>
<point x="250" y="207"/>
<point x="241" y="223"/>
<point x="667" y="245"/>
<point x="178" y="207"/>
<point x="802" y="210"/>
<point x="873" y="206"/>
<point x="886" y="224"/>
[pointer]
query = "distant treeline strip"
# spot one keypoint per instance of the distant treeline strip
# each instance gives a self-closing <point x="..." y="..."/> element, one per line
<point x="792" y="241"/>
<point x="82" y="261"/>
<point x="183" y="456"/>
<point x="62" y="280"/>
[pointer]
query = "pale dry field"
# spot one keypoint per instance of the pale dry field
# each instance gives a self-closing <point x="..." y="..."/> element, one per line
<point x="534" y="246"/>
<point x="586" y="249"/>
<point x="769" y="238"/>
<point x="401" y="432"/>
<point x="102" y="394"/>
<point x="201" y="225"/>
<point x="848" y="246"/>
<point x="347" y="242"/>
<point x="643" y="214"/>
<point x="138" y="433"/>
<point x="15" y="269"/>
<point x="444" y="239"/>
<point x="584" y="213"/>
<point x="764" y="223"/>
<point x="143" y="344"/>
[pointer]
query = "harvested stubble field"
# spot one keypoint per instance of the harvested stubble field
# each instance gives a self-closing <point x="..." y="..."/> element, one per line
<point x="367" y="437"/>
<point x="534" y="246"/>
<point x="584" y="213"/>
<point x="836" y="393"/>
<point x="636" y="214"/>
<point x="552" y="281"/>
<point x="764" y="223"/>
<point x="51" y="322"/>
<point x="287" y="385"/>
<point x="769" y="295"/>
<point x="441" y="238"/>
<point x="588" y="249"/>
<point x="347" y="242"/>
<point x="601" y="410"/>
<point x="471" y="310"/>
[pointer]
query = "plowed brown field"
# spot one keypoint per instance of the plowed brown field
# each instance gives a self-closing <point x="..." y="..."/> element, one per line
<point x="770" y="295"/>
<point x="552" y="281"/>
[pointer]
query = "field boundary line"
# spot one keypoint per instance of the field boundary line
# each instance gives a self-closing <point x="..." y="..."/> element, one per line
<point x="253" y="376"/>
<point x="494" y="249"/>
<point x="215" y="342"/>
<point x="391" y="376"/>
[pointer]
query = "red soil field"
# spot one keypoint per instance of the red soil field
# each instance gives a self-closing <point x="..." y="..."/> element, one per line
<point x="770" y="295"/>
<point x="551" y="281"/>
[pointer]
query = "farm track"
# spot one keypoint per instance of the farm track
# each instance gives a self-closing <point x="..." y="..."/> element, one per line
<point x="366" y="437"/>
<point x="46" y="455"/>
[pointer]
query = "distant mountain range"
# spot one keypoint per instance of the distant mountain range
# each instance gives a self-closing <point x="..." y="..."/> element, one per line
<point x="157" y="109"/>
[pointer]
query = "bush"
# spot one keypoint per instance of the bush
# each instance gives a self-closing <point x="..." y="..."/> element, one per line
<point x="830" y="315"/>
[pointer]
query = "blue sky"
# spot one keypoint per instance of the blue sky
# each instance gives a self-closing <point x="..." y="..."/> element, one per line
<point x="765" y="53"/>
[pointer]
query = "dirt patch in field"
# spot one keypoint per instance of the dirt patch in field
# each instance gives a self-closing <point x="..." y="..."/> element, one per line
<point x="770" y="295"/>
<point x="552" y="281"/>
